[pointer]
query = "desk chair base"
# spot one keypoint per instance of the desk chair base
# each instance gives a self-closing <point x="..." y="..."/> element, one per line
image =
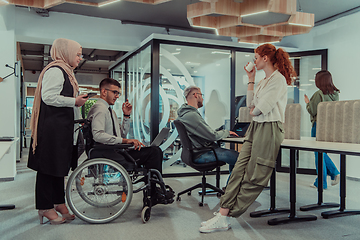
<point x="209" y="192"/>
<point x="7" y="207"/>
<point x="290" y="219"/>
<point x="203" y="185"/>
<point x="271" y="211"/>
<point x="318" y="206"/>
<point x="339" y="213"/>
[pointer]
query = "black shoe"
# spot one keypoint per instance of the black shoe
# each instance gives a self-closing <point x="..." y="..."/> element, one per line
<point x="162" y="198"/>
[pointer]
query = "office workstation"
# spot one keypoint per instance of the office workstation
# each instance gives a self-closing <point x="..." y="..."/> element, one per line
<point x="154" y="65"/>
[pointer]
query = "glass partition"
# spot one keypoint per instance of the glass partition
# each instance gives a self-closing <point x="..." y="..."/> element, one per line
<point x="180" y="67"/>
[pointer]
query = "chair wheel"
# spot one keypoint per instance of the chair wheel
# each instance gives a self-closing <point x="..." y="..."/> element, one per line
<point x="201" y="204"/>
<point x="178" y="199"/>
<point x="189" y="193"/>
<point x="145" y="214"/>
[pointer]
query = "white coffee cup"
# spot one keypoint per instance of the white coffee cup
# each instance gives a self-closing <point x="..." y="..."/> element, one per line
<point x="249" y="67"/>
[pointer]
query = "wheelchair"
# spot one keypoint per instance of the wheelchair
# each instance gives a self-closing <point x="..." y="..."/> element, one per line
<point x="100" y="190"/>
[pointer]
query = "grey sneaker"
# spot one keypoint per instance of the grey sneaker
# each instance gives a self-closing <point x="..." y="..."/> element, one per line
<point x="217" y="223"/>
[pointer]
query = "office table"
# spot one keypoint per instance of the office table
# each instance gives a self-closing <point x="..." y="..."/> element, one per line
<point x="4" y="148"/>
<point x="308" y="144"/>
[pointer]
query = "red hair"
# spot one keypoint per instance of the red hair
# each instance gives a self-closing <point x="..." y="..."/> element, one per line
<point x="280" y="59"/>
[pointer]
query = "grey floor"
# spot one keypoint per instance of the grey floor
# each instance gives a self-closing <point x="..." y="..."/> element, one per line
<point x="180" y="220"/>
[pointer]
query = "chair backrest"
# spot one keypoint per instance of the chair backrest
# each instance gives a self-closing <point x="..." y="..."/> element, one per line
<point x="292" y="121"/>
<point x="186" y="154"/>
<point x="89" y="140"/>
<point x="244" y="115"/>
<point x="338" y="121"/>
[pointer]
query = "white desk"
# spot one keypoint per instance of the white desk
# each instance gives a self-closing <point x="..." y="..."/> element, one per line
<point x="8" y="159"/>
<point x="309" y="144"/>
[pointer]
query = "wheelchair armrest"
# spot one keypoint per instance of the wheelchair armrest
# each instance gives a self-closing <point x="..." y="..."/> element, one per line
<point x="108" y="147"/>
<point x="81" y="121"/>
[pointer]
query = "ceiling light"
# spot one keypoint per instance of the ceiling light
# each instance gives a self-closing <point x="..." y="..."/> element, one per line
<point x="178" y="49"/>
<point x="192" y="63"/>
<point x="247" y="55"/>
<point x="311" y="80"/>
<point x="216" y="31"/>
<point x="306" y="84"/>
<point x="316" y="69"/>
<point x="300" y="24"/>
<point x="107" y="2"/>
<point x="175" y="53"/>
<point x="250" y="14"/>
<point x="219" y="52"/>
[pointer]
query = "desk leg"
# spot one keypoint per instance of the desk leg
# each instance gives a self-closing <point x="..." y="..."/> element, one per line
<point x="272" y="209"/>
<point x="341" y="211"/>
<point x="320" y="203"/>
<point x="292" y="217"/>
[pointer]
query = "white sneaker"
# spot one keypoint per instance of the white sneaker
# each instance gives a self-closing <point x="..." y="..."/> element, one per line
<point x="217" y="223"/>
<point x="204" y="222"/>
<point x="336" y="180"/>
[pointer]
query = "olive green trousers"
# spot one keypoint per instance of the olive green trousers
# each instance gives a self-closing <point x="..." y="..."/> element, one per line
<point x="253" y="167"/>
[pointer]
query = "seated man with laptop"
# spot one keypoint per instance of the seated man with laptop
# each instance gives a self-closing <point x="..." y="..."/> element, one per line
<point x="106" y="130"/>
<point x="200" y="133"/>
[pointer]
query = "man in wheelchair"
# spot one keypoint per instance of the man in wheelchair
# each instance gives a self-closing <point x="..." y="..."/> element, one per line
<point x="107" y="131"/>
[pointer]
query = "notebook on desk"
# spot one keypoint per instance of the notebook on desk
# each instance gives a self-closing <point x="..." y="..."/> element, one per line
<point x="240" y="129"/>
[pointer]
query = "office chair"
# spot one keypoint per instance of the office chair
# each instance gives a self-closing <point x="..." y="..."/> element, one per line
<point x="188" y="156"/>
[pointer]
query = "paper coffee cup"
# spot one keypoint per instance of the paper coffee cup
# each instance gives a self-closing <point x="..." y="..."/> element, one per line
<point x="249" y="67"/>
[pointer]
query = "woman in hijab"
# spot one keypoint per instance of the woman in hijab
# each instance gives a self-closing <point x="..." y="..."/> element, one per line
<point x="52" y="150"/>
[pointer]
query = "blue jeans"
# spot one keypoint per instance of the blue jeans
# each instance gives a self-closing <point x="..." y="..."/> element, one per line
<point x="226" y="155"/>
<point x="329" y="167"/>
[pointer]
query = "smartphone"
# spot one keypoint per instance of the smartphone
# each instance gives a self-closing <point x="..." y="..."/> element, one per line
<point x="91" y="94"/>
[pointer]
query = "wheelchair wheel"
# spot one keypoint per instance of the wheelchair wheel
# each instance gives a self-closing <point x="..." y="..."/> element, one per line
<point x="145" y="214"/>
<point x="99" y="190"/>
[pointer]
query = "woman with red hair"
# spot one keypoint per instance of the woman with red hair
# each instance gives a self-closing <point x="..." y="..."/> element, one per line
<point x="258" y="154"/>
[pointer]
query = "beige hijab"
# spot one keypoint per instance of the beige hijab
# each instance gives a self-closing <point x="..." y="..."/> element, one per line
<point x="63" y="53"/>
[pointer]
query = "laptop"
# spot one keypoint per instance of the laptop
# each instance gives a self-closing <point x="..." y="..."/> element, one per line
<point x="240" y="129"/>
<point x="160" y="137"/>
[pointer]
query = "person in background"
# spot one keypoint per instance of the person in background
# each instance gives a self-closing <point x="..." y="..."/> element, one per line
<point x="53" y="147"/>
<point x="200" y="133"/>
<point x="327" y="92"/>
<point x="265" y="134"/>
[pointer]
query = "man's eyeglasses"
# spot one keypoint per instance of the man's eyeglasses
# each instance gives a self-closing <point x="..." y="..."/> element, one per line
<point x="80" y="55"/>
<point x="117" y="93"/>
<point x="202" y="95"/>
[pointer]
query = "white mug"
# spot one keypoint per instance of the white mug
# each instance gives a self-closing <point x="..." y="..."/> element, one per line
<point x="249" y="67"/>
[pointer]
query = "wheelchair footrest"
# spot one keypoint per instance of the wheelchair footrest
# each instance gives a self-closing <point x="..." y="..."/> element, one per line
<point x="167" y="197"/>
